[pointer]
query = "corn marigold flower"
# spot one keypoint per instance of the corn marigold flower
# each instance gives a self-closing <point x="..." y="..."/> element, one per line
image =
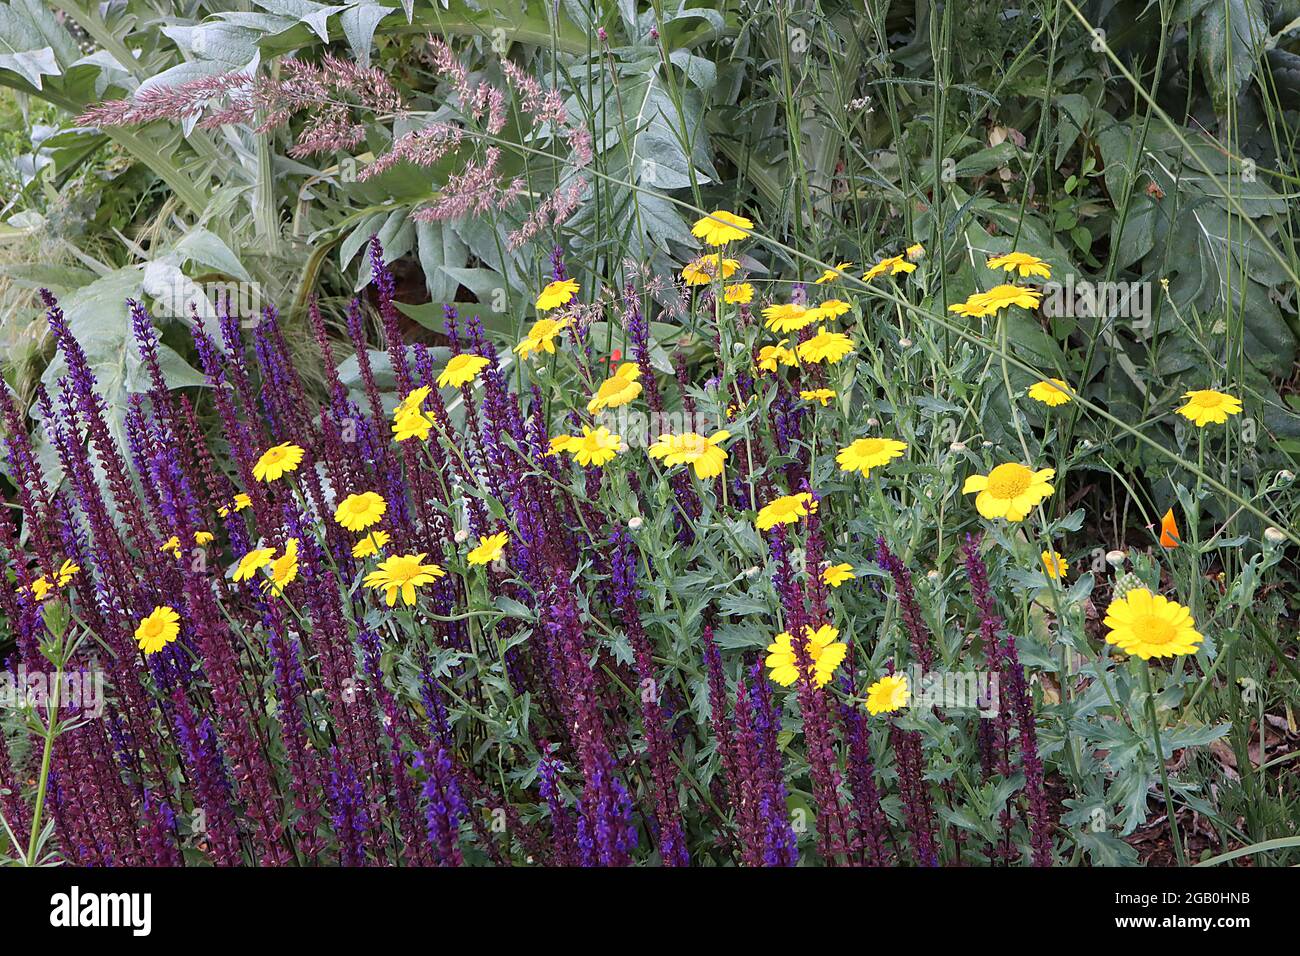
<point x="1010" y="490"/>
<point x="891" y="266"/>
<point x="831" y="275"/>
<point x="556" y="294"/>
<point x="203" y="537"/>
<point x="1051" y="392"/>
<point x="358" y="512"/>
<point x="590" y="448"/>
<point x="402" y="574"/>
<point x="413" y="402"/>
<point x="788" y="317"/>
<point x="721" y="227"/>
<point x="915" y="251"/>
<point x="837" y="574"/>
<point x="706" y="268"/>
<point x="160" y="628"/>
<point x="461" y="370"/>
<point x="785" y="510"/>
<point x="412" y="424"/>
<point x="996" y="299"/>
<point x="1169" y="533"/>
<point x="240" y="502"/>
<point x="1054" y="565"/>
<point x="688" y="448"/>
<point x="1206" y="405"/>
<point x="284" y="569"/>
<point x="1023" y="263"/>
<point x="252" y="562"/>
<point x="370" y="544"/>
<point x="825" y="346"/>
<point x="1150" y="625"/>
<point x="66" y="572"/>
<point x="489" y="548"/>
<point x="831" y="309"/>
<point x="41" y="588"/>
<point x="887" y="695"/>
<point x="171" y="546"/>
<point x="277" y="461"/>
<point x="541" y="337"/>
<point x="738" y="293"/>
<point x="867" y="453"/>
<point x="617" y="390"/>
<point x="825" y="652"/>
<point x="823" y="395"/>
<point x="769" y="356"/>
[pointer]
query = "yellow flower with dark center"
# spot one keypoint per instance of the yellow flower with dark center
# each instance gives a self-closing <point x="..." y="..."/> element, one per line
<point x="283" y="569"/>
<point x="738" y="293"/>
<point x="831" y="275"/>
<point x="823" y="395"/>
<point x="785" y="510"/>
<point x="825" y="347"/>
<point x="702" y="454"/>
<point x="172" y="546"/>
<point x="358" y="512"/>
<point x="402" y="574"/>
<point x="888" y="694"/>
<point x="1150" y="625"/>
<point x="996" y="299"/>
<point x="891" y="266"/>
<point x="1023" y="263"/>
<point x="461" y="370"/>
<point x="1051" y="392"/>
<point x="831" y="309"/>
<point x="1010" y="491"/>
<point x="594" y="447"/>
<point x="1054" y="566"/>
<point x="824" y="652"/>
<point x="1206" y="405"/>
<point x="489" y="548"/>
<point x="160" y="628"/>
<point x="277" y="461"/>
<point x="541" y="337"/>
<point x="706" y="268"/>
<point x="556" y="294"/>
<point x="867" y="453"/>
<point x="788" y="317"/>
<point x="721" y="227"/>
<point x="837" y="574"/>
<point x="619" y="389"/>
<point x="241" y="502"/>
<point x="253" y="562"/>
<point x="769" y="356"/>
<point x="370" y="544"/>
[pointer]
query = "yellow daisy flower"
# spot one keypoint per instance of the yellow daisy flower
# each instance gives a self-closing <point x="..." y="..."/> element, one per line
<point x="66" y="572"/>
<point x="703" y="454"/>
<point x="867" y="453"/>
<point x="370" y="544"/>
<point x="283" y="569"/>
<point x="788" y="317"/>
<point x="837" y="574"/>
<point x="461" y="370"/>
<point x="253" y="562"/>
<point x="1054" y="565"/>
<point x="739" y="293"/>
<point x="413" y="424"/>
<point x="203" y="537"/>
<point x="171" y="546"/>
<point x="1150" y="625"/>
<point x="489" y="548"/>
<point x="825" y="652"/>
<point x="619" y="389"/>
<point x="785" y="510"/>
<point x="888" y="695"/>
<point x="769" y="356"/>
<point x="541" y="337"/>
<point x="160" y="628"/>
<point x="1051" y="392"/>
<point x="825" y="347"/>
<point x="402" y="574"/>
<point x="891" y="266"/>
<point x="721" y="227"/>
<point x="996" y="299"/>
<point x="241" y="502"/>
<point x="823" y="395"/>
<point x="1206" y="405"/>
<point x="41" y="588"/>
<point x="832" y="309"/>
<point x="1010" y="490"/>
<point x="277" y="461"/>
<point x="556" y="294"/>
<point x="1022" y="262"/>
<point x="830" y="275"/>
<point x="594" y="447"/>
<point x="706" y="268"/>
<point x="358" y="512"/>
<point x="915" y="251"/>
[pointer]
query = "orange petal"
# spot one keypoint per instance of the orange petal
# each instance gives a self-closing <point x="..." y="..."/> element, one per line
<point x="1169" y="535"/>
